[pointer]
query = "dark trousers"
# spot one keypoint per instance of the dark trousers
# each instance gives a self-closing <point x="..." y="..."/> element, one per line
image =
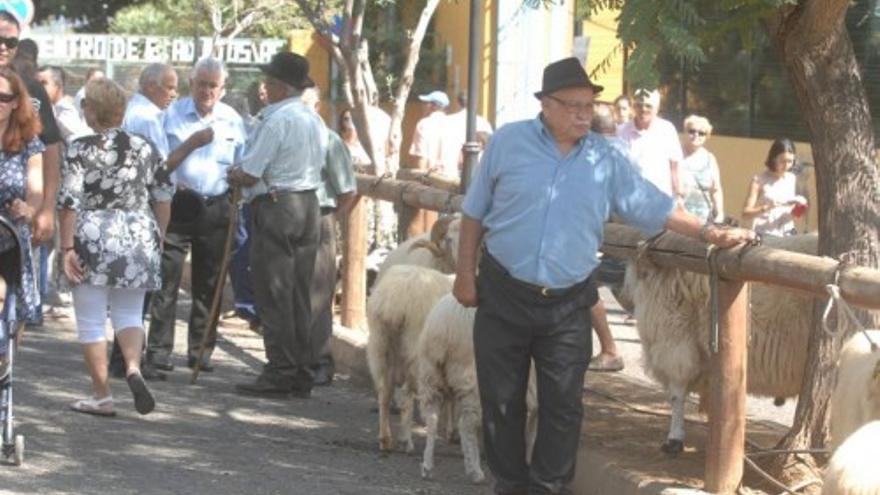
<point x="206" y="238"/>
<point x="283" y="250"/>
<point x="323" y="288"/>
<point x="240" y="265"/>
<point x="515" y="323"/>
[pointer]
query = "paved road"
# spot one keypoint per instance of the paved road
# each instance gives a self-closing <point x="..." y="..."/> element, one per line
<point x="628" y="342"/>
<point x="204" y="438"/>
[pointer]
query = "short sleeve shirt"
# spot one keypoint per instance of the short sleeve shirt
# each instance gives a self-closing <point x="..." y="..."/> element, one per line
<point x="652" y="150"/>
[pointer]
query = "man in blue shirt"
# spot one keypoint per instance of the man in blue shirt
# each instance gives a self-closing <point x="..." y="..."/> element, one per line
<point x="539" y="199"/>
<point x="280" y="173"/>
<point x="205" y="138"/>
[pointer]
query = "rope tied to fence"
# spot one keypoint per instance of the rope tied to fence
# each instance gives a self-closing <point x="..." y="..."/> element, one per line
<point x="835" y="298"/>
<point x="714" y="312"/>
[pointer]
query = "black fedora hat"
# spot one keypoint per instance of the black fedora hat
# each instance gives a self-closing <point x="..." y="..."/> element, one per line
<point x="290" y="68"/>
<point x="565" y="73"/>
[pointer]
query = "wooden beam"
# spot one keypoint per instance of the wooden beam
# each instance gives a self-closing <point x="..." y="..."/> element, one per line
<point x="353" y="309"/>
<point x="859" y="286"/>
<point x="410" y="193"/>
<point x="727" y="392"/>
<point x="428" y="179"/>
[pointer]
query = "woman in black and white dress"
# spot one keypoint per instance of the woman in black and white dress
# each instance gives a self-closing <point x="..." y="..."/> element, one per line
<point x="114" y="200"/>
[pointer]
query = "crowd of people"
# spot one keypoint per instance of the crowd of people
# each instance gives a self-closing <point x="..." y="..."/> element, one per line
<point x="147" y="180"/>
<point x="141" y="182"/>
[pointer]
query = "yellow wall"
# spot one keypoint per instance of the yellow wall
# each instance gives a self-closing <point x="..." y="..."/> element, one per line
<point x="742" y="158"/>
<point x="604" y="45"/>
<point x="452" y="29"/>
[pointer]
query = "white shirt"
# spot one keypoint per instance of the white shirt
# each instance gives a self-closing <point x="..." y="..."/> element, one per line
<point x="455" y="135"/>
<point x="652" y="150"/>
<point x="427" y="140"/>
<point x="70" y="124"/>
<point x="144" y="118"/>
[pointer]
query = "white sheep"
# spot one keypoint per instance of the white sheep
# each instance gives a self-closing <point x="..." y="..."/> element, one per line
<point x="436" y="249"/>
<point x="856" y="397"/>
<point x="853" y="467"/>
<point x="448" y="376"/>
<point x="396" y="312"/>
<point x="672" y="309"/>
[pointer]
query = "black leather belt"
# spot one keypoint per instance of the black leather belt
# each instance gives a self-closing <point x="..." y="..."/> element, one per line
<point x="540" y="290"/>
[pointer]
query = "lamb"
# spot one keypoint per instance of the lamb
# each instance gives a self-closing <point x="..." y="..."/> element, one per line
<point x="436" y="249"/>
<point x="856" y="396"/>
<point x="853" y="467"/>
<point x="448" y="375"/>
<point x="672" y="309"/>
<point x="396" y="311"/>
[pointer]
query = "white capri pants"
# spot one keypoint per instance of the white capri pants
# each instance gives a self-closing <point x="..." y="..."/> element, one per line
<point x="90" y="304"/>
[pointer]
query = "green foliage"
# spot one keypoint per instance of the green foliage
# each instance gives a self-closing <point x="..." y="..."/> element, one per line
<point x="683" y="29"/>
<point x="95" y="14"/>
<point x="153" y="19"/>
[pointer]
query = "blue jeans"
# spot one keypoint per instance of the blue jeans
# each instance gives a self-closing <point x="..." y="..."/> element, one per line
<point x="240" y="266"/>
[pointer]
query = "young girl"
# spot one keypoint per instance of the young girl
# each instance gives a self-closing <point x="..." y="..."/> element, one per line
<point x="773" y="201"/>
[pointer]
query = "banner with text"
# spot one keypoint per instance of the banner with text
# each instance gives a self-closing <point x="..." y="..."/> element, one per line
<point x="129" y="48"/>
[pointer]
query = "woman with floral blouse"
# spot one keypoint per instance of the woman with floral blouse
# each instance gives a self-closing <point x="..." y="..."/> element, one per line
<point x="115" y="202"/>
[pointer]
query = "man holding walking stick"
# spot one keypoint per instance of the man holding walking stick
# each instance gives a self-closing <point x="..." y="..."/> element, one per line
<point x="205" y="138"/>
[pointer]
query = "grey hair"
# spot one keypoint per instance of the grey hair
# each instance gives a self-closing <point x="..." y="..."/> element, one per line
<point x="152" y="74"/>
<point x="209" y="65"/>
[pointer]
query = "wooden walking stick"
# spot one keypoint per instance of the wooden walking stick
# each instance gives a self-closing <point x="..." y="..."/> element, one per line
<point x="221" y="282"/>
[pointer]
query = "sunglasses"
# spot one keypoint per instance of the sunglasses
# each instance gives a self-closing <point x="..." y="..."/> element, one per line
<point x="8" y="97"/>
<point x="694" y="132"/>
<point x="10" y="42"/>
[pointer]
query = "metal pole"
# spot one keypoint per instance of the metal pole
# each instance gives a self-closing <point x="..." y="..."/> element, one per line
<point x="471" y="147"/>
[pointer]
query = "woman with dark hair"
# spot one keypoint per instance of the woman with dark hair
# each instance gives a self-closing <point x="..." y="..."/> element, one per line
<point x="21" y="178"/>
<point x="114" y="200"/>
<point x="773" y="202"/>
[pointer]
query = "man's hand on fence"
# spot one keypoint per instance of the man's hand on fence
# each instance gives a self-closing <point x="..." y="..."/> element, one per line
<point x="725" y="237"/>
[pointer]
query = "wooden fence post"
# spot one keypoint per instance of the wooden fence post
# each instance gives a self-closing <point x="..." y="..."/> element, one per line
<point x="727" y="391"/>
<point x="353" y="312"/>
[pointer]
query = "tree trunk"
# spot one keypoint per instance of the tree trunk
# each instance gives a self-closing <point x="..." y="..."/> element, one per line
<point x="816" y="49"/>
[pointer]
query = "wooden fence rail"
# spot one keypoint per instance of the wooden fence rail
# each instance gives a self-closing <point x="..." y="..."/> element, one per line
<point x="859" y="286"/>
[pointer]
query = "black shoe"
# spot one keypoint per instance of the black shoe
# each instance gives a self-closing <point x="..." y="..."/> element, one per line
<point x="206" y="367"/>
<point x="144" y="402"/>
<point x="150" y="373"/>
<point x="262" y="388"/>
<point x="161" y="364"/>
<point x="322" y="376"/>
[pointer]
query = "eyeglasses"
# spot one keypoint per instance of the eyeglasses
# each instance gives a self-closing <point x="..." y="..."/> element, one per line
<point x="10" y="42"/>
<point x="573" y="107"/>
<point x="641" y="104"/>
<point x="8" y="97"/>
<point x="694" y="132"/>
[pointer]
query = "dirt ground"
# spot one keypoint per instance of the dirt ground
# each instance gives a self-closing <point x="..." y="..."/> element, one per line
<point x="206" y="439"/>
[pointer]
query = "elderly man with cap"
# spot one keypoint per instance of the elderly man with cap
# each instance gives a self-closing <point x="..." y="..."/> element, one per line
<point x="427" y="150"/>
<point x="539" y="200"/>
<point x="281" y="171"/>
<point x="653" y="142"/>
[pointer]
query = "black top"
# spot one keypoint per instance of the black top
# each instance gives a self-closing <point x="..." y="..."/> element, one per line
<point x="41" y="103"/>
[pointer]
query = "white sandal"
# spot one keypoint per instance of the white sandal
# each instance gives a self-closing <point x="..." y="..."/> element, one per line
<point x="95" y="406"/>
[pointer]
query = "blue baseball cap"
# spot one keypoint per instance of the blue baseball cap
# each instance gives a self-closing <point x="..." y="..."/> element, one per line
<point x="436" y="97"/>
